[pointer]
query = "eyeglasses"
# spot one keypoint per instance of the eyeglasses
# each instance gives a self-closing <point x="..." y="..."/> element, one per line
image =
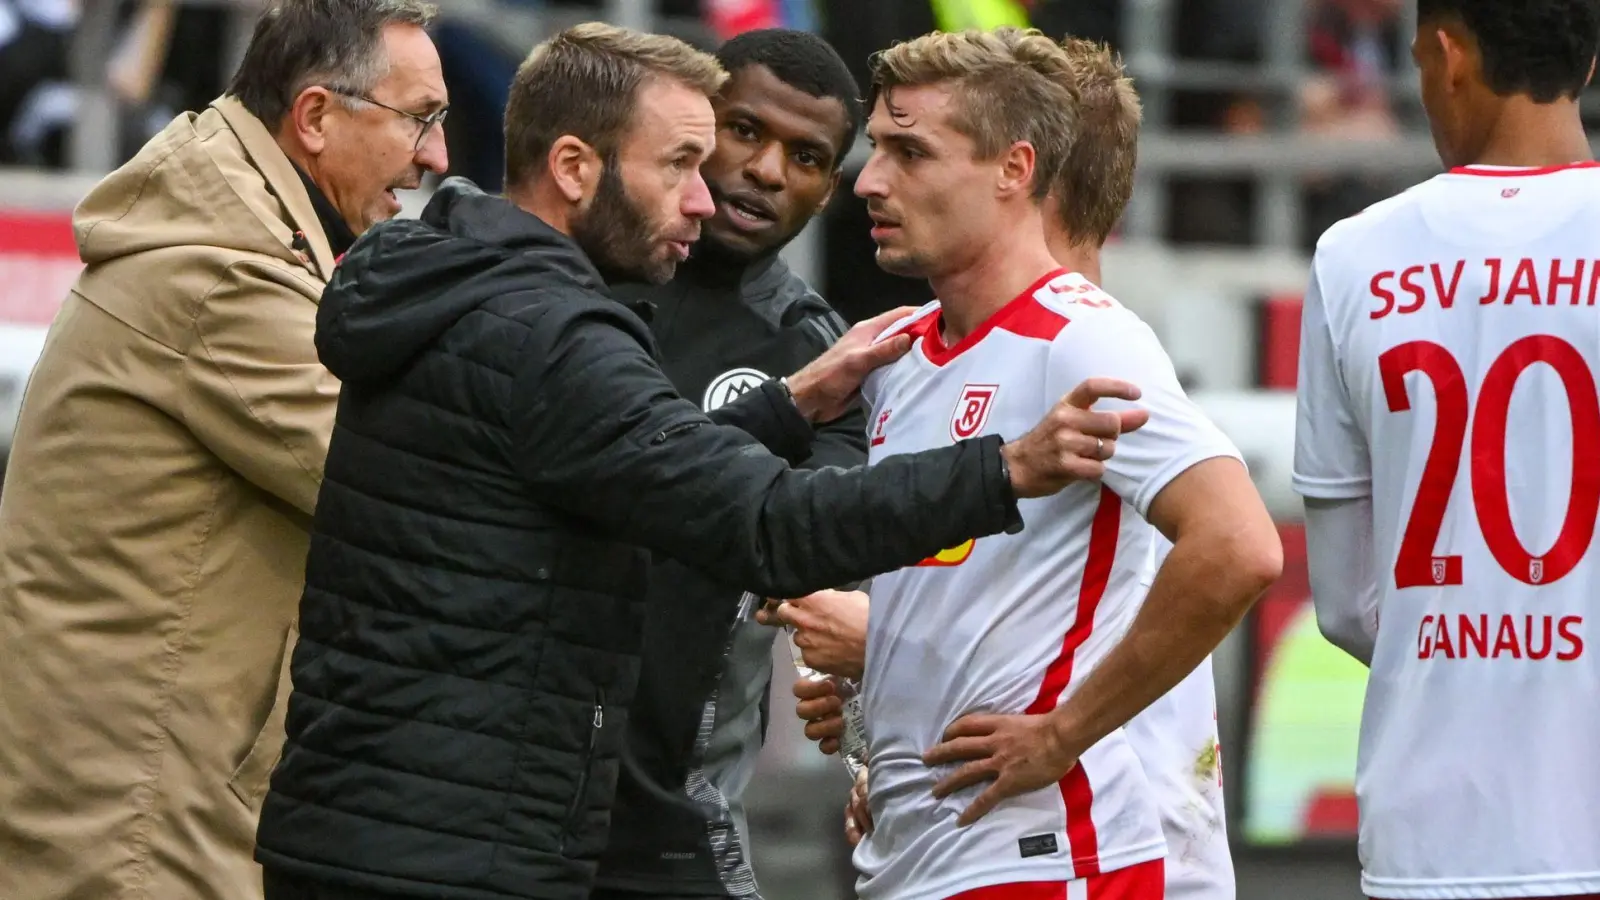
<point x="427" y="122"/>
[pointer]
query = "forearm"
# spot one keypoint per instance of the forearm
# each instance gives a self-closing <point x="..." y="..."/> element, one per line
<point x="833" y="526"/>
<point x="841" y="443"/>
<point x="650" y="469"/>
<point x="771" y="417"/>
<point x="1200" y="594"/>
<point x="1339" y="562"/>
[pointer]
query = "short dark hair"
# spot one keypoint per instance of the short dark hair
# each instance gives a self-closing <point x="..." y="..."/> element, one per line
<point x="298" y="43"/>
<point x="1542" y="48"/>
<point x="804" y="62"/>
<point x="585" y="82"/>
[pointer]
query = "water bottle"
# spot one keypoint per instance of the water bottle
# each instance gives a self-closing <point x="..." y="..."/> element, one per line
<point x="853" y="743"/>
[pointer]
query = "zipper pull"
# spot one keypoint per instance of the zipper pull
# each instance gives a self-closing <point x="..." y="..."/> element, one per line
<point x="599" y="716"/>
<point x="662" y="436"/>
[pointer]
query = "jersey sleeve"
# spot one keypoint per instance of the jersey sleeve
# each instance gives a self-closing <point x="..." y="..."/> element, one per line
<point x="1331" y="461"/>
<point x="1116" y="344"/>
<point x="872" y="387"/>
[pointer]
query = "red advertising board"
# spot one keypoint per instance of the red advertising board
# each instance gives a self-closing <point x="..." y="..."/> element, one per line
<point x="38" y="263"/>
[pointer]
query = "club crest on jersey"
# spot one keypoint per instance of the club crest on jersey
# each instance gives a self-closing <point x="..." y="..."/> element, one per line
<point x="1440" y="570"/>
<point x="730" y="386"/>
<point x="972" y="410"/>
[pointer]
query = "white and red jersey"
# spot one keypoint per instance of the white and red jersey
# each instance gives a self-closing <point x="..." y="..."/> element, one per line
<point x="1450" y="345"/>
<point x="1177" y="743"/>
<point x="1011" y="623"/>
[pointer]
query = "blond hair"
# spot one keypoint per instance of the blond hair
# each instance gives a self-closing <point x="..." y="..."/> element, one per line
<point x="1096" y="184"/>
<point x="1011" y="84"/>
<point x="585" y="82"/>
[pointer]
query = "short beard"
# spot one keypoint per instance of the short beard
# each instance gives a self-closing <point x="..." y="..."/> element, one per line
<point x="616" y="234"/>
<point x="906" y="266"/>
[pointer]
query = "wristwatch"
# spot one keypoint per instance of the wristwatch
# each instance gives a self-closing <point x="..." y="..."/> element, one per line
<point x="1014" y="523"/>
<point x="783" y="383"/>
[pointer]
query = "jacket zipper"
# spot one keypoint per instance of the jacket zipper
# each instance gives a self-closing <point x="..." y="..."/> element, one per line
<point x="681" y="427"/>
<point x="576" y="808"/>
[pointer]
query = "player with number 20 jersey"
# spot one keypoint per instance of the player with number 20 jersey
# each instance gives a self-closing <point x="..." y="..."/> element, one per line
<point x="1451" y="342"/>
<point x="1013" y="623"/>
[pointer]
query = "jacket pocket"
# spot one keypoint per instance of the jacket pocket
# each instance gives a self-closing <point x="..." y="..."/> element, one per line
<point x="575" y="810"/>
<point x="249" y="779"/>
<point x="672" y="431"/>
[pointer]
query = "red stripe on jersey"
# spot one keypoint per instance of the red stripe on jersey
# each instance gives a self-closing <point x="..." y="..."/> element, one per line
<point x="1022" y="890"/>
<point x="1522" y="173"/>
<point x="1143" y="881"/>
<point x="1022" y="316"/>
<point x="1075" y="789"/>
<point x="1032" y="320"/>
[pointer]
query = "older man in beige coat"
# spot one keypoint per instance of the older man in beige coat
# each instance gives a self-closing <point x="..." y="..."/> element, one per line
<point x="155" y="514"/>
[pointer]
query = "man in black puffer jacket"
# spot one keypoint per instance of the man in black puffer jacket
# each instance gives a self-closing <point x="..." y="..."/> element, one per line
<point x="506" y="450"/>
<point x="733" y="315"/>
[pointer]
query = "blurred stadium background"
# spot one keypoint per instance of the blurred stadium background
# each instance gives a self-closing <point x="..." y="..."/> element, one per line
<point x="1265" y="121"/>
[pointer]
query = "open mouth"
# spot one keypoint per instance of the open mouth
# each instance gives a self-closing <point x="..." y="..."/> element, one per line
<point x="682" y="244"/>
<point x="746" y="212"/>
<point x="394" y="190"/>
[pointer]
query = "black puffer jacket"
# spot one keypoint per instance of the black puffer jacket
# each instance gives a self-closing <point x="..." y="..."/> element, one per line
<point x="505" y="450"/>
<point x="678" y="827"/>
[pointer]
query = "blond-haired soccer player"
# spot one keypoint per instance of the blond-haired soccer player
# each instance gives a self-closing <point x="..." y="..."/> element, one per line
<point x="999" y="674"/>
<point x="1175" y="738"/>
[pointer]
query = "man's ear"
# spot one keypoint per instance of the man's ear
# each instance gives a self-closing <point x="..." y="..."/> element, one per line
<point x="308" y="118"/>
<point x="833" y="185"/>
<point x="1461" y="57"/>
<point x="575" y="168"/>
<point x="1017" y="169"/>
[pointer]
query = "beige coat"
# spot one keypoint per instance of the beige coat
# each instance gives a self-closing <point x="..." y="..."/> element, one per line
<point x="154" y="525"/>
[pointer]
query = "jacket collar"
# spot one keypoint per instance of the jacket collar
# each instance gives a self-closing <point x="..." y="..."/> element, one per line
<point x="464" y="209"/>
<point x="337" y="230"/>
<point x="756" y="279"/>
<point x="763" y="277"/>
<point x="282" y="177"/>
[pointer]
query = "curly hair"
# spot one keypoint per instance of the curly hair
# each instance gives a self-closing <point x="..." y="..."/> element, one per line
<point x="804" y="62"/>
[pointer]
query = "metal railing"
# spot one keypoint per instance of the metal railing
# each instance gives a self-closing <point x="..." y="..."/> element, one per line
<point x="95" y="135"/>
<point x="1278" y="160"/>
